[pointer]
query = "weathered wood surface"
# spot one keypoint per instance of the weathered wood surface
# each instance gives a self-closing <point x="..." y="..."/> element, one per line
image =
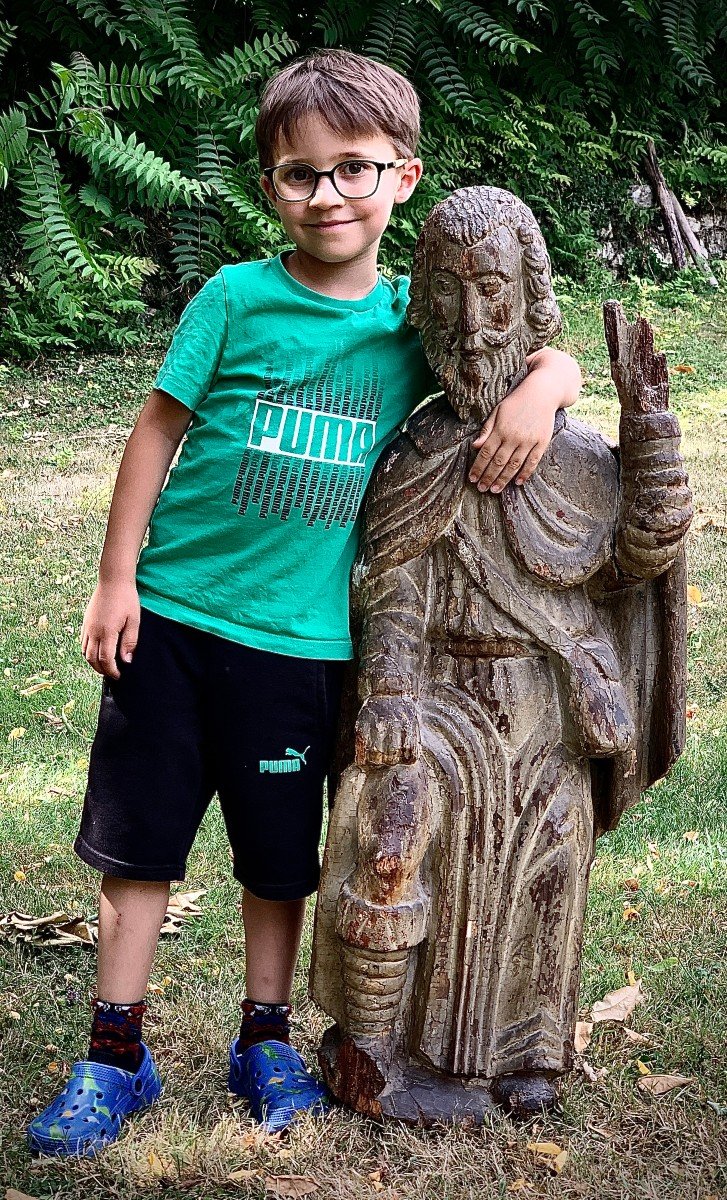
<point x="664" y="200"/>
<point x="520" y="680"/>
<point x="699" y="255"/>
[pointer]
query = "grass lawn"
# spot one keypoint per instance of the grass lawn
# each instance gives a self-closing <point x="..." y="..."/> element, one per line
<point x="657" y="902"/>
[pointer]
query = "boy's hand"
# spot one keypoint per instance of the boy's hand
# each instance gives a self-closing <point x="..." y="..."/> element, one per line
<point x="110" y="624"/>
<point x="517" y="432"/>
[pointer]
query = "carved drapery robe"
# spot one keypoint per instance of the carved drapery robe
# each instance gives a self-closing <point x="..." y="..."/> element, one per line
<point x="529" y="725"/>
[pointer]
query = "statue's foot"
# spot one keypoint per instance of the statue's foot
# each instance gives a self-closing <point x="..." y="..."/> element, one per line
<point x="524" y="1093"/>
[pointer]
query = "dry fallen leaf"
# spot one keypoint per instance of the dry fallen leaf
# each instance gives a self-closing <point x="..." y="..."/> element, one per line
<point x="160" y="1168"/>
<point x="16" y="734"/>
<point x="12" y="1194"/>
<point x="618" y="1005"/>
<point x="706" y="520"/>
<point x="637" y="1038"/>
<point x="631" y="912"/>
<point x="659" y="1085"/>
<point x="181" y="905"/>
<point x="584" y="1029"/>
<point x="548" y="1149"/>
<point x="290" y="1185"/>
<point x="560" y="1160"/>
<point x="19" y="876"/>
<point x="694" y="594"/>
<point x="632" y="884"/>
<point x="643" y="1069"/>
<point x="37" y="687"/>
<point x="185" y="902"/>
<point x="517" y="1185"/>
<point x="243" y="1174"/>
<point x="683" y="369"/>
<point x="58" y="929"/>
<point x="692" y="835"/>
<point x="591" y="1073"/>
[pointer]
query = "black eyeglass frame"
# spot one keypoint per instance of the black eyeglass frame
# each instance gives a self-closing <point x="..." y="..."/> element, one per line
<point x="269" y="173"/>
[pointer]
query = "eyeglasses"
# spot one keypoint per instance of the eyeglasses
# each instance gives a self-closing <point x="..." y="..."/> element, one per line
<point x="354" y="179"/>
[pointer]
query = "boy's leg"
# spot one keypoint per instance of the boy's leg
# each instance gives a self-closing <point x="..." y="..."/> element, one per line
<point x="130" y="916"/>
<point x="274" y="725"/>
<point x="273" y="930"/>
<point x="148" y="788"/>
<point x="118" y="1077"/>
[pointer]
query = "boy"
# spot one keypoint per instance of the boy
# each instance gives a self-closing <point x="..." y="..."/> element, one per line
<point x="222" y="649"/>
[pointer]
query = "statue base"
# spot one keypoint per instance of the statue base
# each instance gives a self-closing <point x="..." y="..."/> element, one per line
<point x="361" y="1075"/>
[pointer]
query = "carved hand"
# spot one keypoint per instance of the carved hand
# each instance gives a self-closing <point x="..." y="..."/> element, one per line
<point x="387" y="731"/>
<point x="655" y="502"/>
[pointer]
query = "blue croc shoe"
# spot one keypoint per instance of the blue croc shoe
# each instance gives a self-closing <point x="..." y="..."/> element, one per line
<point x="277" y="1083"/>
<point x="88" y="1113"/>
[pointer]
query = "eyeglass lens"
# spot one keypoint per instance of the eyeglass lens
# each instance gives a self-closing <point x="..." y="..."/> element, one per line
<point x="297" y="182"/>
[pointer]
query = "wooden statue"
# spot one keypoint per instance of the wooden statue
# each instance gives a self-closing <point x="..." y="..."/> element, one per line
<point x="520" y="681"/>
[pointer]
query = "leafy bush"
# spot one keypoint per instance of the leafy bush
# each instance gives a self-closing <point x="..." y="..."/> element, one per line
<point x="126" y="131"/>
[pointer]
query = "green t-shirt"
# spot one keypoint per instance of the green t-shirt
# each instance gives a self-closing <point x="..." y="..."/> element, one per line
<point x="294" y="395"/>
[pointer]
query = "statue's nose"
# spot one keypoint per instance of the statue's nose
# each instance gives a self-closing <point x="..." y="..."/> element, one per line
<point x="470" y="317"/>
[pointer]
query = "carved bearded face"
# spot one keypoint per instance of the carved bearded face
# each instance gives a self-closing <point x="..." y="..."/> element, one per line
<point x="473" y="334"/>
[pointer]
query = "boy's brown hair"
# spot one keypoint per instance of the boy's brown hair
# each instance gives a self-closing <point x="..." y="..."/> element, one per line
<point x="353" y="94"/>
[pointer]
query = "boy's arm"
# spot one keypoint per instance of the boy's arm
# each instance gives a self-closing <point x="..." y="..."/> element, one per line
<point x="518" y="430"/>
<point x="111" y="621"/>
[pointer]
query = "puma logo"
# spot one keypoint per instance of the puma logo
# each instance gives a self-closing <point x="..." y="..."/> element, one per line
<point x="301" y="755"/>
<point x="283" y="766"/>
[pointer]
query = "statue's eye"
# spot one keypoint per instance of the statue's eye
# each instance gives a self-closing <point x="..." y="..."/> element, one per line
<point x="445" y="283"/>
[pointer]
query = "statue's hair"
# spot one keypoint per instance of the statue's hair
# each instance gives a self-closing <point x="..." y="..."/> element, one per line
<point x="467" y="217"/>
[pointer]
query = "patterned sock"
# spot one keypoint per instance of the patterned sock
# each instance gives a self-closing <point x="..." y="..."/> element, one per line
<point x="116" y="1034"/>
<point x="263" y="1022"/>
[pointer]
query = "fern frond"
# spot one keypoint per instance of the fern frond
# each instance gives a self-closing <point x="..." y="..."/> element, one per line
<point x="271" y="14"/>
<point x="392" y="34"/>
<point x="59" y="19"/>
<point x="587" y="12"/>
<point x="213" y="156"/>
<point x="95" y="200"/>
<point x="336" y="23"/>
<point x="198" y="243"/>
<point x="254" y="220"/>
<point x="472" y="23"/>
<point x="169" y="21"/>
<point x="102" y="18"/>
<point x="125" y="87"/>
<point x="639" y="10"/>
<point x="79" y="81"/>
<point x="679" y="19"/>
<point x="600" y="50"/>
<point x="232" y="72"/>
<point x="13" y="141"/>
<point x="7" y="37"/>
<point x="155" y="181"/>
<point x="446" y="77"/>
<point x="51" y="236"/>
<point x="535" y="9"/>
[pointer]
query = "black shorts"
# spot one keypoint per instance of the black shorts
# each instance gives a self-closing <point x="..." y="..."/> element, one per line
<point x="194" y="714"/>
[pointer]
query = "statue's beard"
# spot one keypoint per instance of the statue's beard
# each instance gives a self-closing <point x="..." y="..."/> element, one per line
<point x="474" y="386"/>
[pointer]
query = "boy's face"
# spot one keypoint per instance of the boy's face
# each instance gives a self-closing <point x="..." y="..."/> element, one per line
<point x="329" y="227"/>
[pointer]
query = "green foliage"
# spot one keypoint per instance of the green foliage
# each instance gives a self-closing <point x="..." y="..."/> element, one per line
<point x="126" y="131"/>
